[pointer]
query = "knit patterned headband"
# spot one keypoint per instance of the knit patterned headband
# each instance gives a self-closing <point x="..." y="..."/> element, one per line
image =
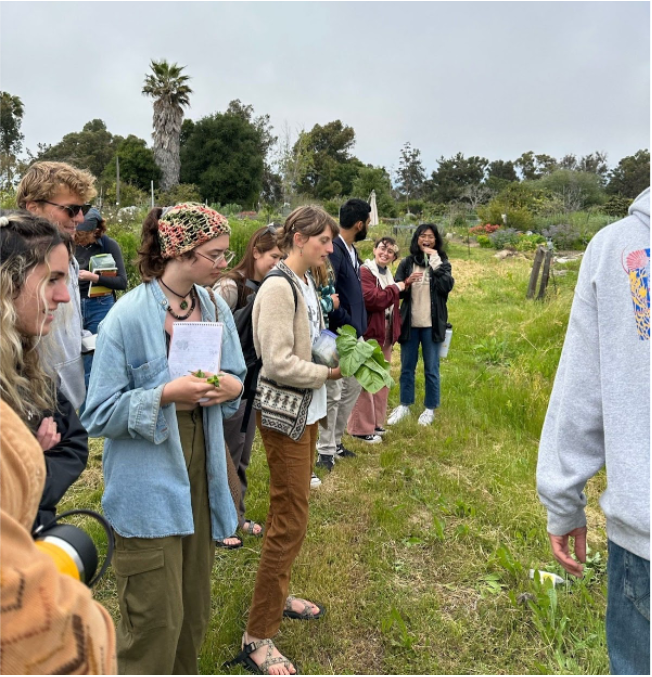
<point x="186" y="226"/>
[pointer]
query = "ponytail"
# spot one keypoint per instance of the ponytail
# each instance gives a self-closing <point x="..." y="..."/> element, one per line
<point x="151" y="263"/>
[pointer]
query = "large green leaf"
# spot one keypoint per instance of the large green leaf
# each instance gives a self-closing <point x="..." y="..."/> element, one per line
<point x="351" y="362"/>
<point x="347" y="330"/>
<point x="362" y="359"/>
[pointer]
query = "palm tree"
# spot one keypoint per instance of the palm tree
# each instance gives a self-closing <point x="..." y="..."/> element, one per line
<point x="167" y="86"/>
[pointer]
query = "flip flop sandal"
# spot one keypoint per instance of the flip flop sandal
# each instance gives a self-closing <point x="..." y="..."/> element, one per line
<point x="244" y="659"/>
<point x="306" y="614"/>
<point x="250" y="529"/>
<point x="233" y="546"/>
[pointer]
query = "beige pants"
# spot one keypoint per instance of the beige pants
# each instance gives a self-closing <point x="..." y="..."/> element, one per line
<point x="341" y="398"/>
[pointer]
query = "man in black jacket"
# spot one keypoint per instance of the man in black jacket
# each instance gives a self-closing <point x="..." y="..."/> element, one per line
<point x="343" y="393"/>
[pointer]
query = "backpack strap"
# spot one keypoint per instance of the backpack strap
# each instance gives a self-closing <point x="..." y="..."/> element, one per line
<point x="242" y="286"/>
<point x="280" y="273"/>
<point x="252" y="377"/>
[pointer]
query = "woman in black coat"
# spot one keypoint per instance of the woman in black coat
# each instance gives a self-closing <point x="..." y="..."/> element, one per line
<point x="428" y="279"/>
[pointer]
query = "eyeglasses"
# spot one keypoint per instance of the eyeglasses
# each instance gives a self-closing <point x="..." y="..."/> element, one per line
<point x="227" y="256"/>
<point x="72" y="210"/>
<point x="389" y="249"/>
<point x="271" y="229"/>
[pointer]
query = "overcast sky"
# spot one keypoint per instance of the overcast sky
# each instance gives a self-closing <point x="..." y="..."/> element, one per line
<point x="483" y="78"/>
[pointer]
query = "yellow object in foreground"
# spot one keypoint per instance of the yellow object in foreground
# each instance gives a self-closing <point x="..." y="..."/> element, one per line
<point x="63" y="561"/>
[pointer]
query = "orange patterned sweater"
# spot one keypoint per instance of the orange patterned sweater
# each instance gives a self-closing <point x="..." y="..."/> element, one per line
<point x="49" y="623"/>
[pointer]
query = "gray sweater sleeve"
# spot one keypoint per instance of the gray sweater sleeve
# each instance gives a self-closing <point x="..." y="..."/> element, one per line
<point x="572" y="446"/>
<point x="120" y="281"/>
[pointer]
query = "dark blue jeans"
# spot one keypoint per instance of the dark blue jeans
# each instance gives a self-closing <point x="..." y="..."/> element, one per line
<point x="93" y="312"/>
<point x="409" y="359"/>
<point x="628" y="612"/>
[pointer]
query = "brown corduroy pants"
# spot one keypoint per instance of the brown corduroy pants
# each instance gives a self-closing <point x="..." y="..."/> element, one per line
<point x="290" y="467"/>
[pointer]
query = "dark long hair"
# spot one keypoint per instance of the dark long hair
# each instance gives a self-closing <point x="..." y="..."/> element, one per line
<point x="263" y="240"/>
<point x="415" y="250"/>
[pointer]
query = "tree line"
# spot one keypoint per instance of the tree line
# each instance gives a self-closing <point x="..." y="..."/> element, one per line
<point x="234" y="156"/>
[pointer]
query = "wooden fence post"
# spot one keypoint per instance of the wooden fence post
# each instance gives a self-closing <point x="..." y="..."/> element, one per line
<point x="545" y="276"/>
<point x="538" y="259"/>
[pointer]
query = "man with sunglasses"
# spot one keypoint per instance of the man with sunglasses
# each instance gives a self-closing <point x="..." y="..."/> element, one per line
<point x="61" y="193"/>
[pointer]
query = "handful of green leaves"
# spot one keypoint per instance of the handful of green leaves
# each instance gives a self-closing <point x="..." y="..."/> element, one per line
<point x="213" y="380"/>
<point x="363" y="359"/>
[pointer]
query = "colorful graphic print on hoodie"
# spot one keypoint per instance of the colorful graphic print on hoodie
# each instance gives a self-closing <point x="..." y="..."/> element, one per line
<point x="637" y="265"/>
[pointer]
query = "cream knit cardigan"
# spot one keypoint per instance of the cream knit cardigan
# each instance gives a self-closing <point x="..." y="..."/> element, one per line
<point x="282" y="336"/>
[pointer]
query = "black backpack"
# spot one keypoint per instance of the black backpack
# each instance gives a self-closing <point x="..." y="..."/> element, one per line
<point x="244" y="325"/>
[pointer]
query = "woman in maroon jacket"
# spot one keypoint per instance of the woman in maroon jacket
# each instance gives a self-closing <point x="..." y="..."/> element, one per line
<point x="381" y="298"/>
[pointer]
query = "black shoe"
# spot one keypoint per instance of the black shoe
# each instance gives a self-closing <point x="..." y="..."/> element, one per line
<point x="343" y="452"/>
<point x="370" y="439"/>
<point x="325" y="461"/>
<point x="380" y="430"/>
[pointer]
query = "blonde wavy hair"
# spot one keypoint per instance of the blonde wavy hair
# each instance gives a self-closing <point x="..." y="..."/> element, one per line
<point x="26" y="242"/>
<point x="44" y="179"/>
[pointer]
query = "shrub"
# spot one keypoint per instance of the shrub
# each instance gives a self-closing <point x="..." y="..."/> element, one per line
<point x="564" y="236"/>
<point x="332" y="207"/>
<point x="617" y="205"/>
<point x="182" y="192"/>
<point x="528" y="243"/>
<point x="460" y="222"/>
<point x="231" y="209"/>
<point x="416" y="207"/>
<point x="520" y="219"/>
<point x="433" y="211"/>
<point x="484" y="241"/>
<point x="129" y="195"/>
<point x="241" y="232"/>
<point x="487" y="229"/>
<point x="505" y="237"/>
<point x="8" y="199"/>
<point x="128" y="242"/>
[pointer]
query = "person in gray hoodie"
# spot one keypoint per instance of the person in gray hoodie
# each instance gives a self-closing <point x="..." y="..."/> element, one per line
<point x="60" y="193"/>
<point x="599" y="415"/>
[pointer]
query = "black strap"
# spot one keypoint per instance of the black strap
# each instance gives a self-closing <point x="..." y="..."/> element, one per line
<point x="251" y="380"/>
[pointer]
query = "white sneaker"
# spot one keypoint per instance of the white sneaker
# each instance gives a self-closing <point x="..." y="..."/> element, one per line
<point x="315" y="482"/>
<point x="399" y="413"/>
<point x="427" y="417"/>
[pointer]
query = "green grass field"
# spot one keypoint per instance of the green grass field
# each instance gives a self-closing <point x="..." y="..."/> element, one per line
<point x="420" y="548"/>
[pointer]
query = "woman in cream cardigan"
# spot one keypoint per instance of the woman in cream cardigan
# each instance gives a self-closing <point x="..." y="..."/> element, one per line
<point x="286" y="325"/>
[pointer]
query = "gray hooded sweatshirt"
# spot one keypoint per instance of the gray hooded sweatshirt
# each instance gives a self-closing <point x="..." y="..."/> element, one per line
<point x="599" y="411"/>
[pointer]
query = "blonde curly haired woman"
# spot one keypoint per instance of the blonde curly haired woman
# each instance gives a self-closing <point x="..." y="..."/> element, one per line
<point x="33" y="283"/>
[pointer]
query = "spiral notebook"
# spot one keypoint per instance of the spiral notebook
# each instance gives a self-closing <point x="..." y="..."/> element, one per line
<point x="195" y="345"/>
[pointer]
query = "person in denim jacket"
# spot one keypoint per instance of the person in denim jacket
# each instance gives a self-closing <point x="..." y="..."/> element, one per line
<point x="166" y="490"/>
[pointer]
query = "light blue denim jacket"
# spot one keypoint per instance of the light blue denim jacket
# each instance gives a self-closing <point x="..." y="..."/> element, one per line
<point x="146" y="485"/>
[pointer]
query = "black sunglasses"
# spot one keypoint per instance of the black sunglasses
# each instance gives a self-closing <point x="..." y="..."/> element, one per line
<point x="72" y="210"/>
